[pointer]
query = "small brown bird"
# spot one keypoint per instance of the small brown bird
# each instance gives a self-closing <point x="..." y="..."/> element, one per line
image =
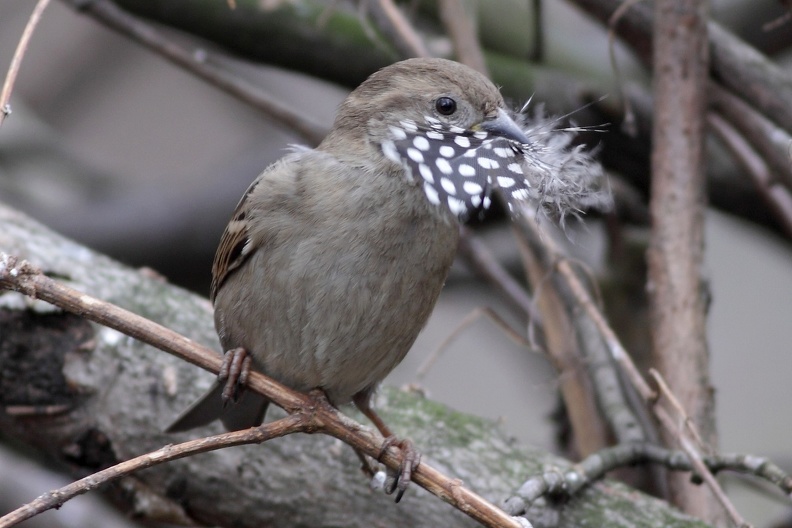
<point x="335" y="257"/>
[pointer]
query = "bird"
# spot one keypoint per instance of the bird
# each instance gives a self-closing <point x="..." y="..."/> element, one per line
<point x="335" y="256"/>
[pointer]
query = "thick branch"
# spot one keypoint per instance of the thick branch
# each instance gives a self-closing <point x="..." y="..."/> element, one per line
<point x="676" y="292"/>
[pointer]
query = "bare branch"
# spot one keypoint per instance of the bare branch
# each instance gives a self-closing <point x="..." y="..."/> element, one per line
<point x="735" y="64"/>
<point x="777" y="197"/>
<point x="397" y="28"/>
<point x="579" y="295"/>
<point x="766" y="138"/>
<point x="293" y="423"/>
<point x="20" y="276"/>
<point x="16" y="61"/>
<point x="480" y="260"/>
<point x="199" y="62"/>
<point x="567" y="482"/>
<point x="460" y="27"/>
<point x="676" y="249"/>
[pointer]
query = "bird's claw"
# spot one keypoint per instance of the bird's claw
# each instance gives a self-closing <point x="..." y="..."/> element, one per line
<point x="399" y="480"/>
<point x="234" y="374"/>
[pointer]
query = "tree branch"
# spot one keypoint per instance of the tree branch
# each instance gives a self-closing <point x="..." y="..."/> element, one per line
<point x="677" y="297"/>
<point x="16" y="61"/>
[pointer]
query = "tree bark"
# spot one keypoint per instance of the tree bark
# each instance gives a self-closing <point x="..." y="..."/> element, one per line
<point x="678" y="296"/>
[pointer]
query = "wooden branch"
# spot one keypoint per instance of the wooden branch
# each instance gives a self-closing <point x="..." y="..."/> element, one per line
<point x="202" y="63"/>
<point x="20" y="276"/>
<point x="767" y="139"/>
<point x="460" y="27"/>
<point x="55" y="499"/>
<point x="115" y="395"/>
<point x="401" y="33"/>
<point x="777" y="196"/>
<point x="546" y="253"/>
<point x="16" y="60"/>
<point x="735" y="64"/>
<point x="677" y="297"/>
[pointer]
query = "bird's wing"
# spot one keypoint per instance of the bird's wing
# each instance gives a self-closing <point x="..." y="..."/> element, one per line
<point x="234" y="245"/>
<point x="237" y="243"/>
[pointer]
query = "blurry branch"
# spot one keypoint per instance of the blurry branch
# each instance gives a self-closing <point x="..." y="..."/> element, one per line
<point x="327" y="41"/>
<point x="481" y="262"/>
<point x="538" y="48"/>
<point x="776" y="195"/>
<point x="763" y="89"/>
<point x="566" y="482"/>
<point x="395" y="26"/>
<point x="16" y="60"/>
<point x="590" y="381"/>
<point x="786" y="18"/>
<point x="517" y="337"/>
<point x="314" y="413"/>
<point x="767" y="139"/>
<point x="461" y="28"/>
<point x="735" y="64"/>
<point x="198" y="62"/>
<point x="563" y="282"/>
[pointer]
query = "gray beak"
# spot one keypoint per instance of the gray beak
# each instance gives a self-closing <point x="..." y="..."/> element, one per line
<point x="504" y="126"/>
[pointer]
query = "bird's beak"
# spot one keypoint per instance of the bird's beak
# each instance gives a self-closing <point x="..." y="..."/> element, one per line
<point x="504" y="126"/>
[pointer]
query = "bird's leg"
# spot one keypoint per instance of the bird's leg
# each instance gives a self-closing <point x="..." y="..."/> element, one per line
<point x="370" y="471"/>
<point x="234" y="374"/>
<point x="399" y="480"/>
<point x="365" y="465"/>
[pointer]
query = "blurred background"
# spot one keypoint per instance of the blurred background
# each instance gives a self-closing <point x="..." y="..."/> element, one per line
<point x="113" y="146"/>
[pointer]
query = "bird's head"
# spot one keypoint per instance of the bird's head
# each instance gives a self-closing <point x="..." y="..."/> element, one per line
<point x="446" y="127"/>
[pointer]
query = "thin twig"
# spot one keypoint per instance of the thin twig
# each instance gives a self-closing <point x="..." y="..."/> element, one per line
<point x="395" y="26"/>
<point x="18" y="275"/>
<point x="16" y="60"/>
<point x="777" y="197"/>
<point x="583" y="299"/>
<point x="462" y="31"/>
<point x="469" y="319"/>
<point x="676" y="405"/>
<point x="768" y="139"/>
<point x="538" y="49"/>
<point x="480" y="260"/>
<point x="628" y="123"/>
<point x="567" y="481"/>
<point x="689" y="447"/>
<point x="293" y="423"/>
<point x="199" y="62"/>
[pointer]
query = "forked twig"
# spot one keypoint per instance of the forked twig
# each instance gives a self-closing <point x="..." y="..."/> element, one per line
<point x="578" y="291"/>
<point x="294" y="423"/>
<point x="18" y="275"/>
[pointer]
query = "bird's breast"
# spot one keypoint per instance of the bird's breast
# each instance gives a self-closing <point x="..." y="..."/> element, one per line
<point x="342" y="291"/>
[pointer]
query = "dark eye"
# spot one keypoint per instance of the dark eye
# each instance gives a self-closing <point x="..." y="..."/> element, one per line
<point x="445" y="106"/>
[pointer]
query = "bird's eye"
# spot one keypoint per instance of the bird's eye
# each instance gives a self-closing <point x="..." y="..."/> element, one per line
<point x="445" y="106"/>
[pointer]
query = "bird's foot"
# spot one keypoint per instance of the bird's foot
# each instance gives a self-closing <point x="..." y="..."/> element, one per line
<point x="234" y="374"/>
<point x="399" y="479"/>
